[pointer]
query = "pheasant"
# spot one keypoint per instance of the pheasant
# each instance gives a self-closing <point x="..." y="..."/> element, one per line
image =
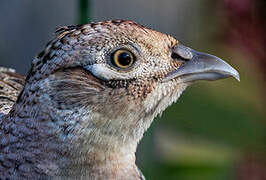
<point x="89" y="97"/>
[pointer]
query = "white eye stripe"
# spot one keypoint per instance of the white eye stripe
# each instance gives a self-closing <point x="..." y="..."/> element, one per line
<point x="105" y="73"/>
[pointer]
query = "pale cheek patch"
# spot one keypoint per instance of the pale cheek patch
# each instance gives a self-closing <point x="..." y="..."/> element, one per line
<point x="105" y="73"/>
<point x="163" y="96"/>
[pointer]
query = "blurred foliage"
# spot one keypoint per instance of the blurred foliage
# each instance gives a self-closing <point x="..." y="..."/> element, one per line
<point x="218" y="128"/>
<point x="84" y="11"/>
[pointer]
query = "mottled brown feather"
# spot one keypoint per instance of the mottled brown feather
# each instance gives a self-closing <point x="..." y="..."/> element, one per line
<point x="69" y="121"/>
<point x="11" y="83"/>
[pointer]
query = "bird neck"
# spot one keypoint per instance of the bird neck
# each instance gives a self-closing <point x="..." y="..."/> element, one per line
<point x="60" y="139"/>
<point x="99" y="155"/>
<point x="97" y="138"/>
<point x="102" y="164"/>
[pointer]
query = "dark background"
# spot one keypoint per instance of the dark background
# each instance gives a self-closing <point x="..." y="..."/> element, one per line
<point x="217" y="130"/>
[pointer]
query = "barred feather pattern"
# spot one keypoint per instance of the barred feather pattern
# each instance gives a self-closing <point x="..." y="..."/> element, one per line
<point x="77" y="116"/>
<point x="11" y="84"/>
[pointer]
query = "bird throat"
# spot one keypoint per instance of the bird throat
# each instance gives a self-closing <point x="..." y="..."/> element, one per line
<point x="85" y="140"/>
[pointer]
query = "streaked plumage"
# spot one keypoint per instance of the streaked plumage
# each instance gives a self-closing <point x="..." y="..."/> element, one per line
<point x="80" y="114"/>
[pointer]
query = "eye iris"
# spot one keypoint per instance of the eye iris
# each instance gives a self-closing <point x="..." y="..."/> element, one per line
<point x="122" y="58"/>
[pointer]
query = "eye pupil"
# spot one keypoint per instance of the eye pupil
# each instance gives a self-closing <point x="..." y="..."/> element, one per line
<point x="124" y="59"/>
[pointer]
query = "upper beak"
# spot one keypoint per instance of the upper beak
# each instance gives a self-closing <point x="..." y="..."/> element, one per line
<point x="201" y="66"/>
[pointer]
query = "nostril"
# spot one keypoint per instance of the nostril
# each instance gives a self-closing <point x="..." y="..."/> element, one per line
<point x="182" y="53"/>
<point x="177" y="57"/>
<point x="174" y="56"/>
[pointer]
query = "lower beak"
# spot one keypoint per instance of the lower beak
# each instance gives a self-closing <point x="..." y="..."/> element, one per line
<point x="203" y="66"/>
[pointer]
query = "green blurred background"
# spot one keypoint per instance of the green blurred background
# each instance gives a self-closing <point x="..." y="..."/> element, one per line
<point x="217" y="130"/>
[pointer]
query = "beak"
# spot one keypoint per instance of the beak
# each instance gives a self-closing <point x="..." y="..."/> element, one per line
<point x="200" y="66"/>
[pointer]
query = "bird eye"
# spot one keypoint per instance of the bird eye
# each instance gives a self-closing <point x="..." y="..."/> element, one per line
<point x="122" y="58"/>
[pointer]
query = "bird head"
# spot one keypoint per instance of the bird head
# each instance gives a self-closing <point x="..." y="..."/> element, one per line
<point x="107" y="81"/>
